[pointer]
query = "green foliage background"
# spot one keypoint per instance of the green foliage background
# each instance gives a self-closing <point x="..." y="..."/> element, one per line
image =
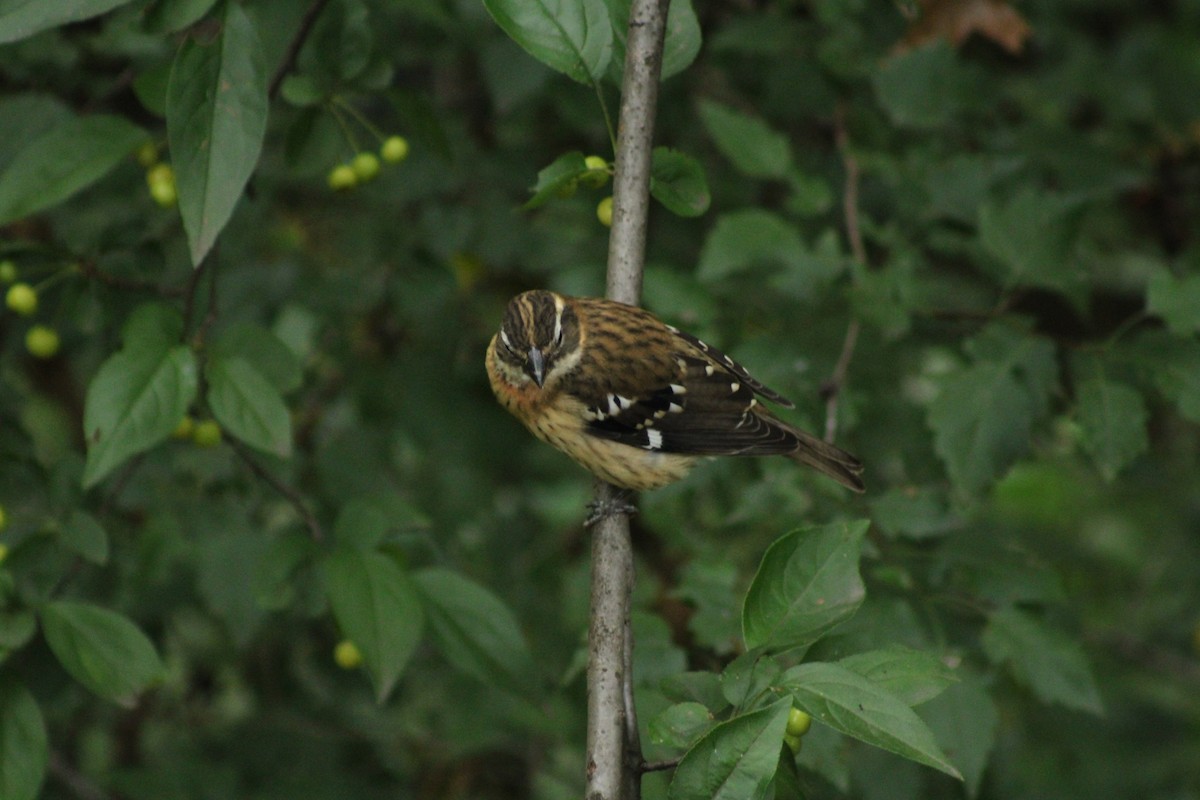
<point x="1024" y="388"/>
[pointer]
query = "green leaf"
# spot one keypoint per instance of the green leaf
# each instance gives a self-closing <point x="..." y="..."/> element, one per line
<point x="248" y="406"/>
<point x="964" y="720"/>
<point x="23" y="743"/>
<point x="922" y="88"/>
<point x="911" y="675"/>
<point x="264" y="351"/>
<point x="681" y="42"/>
<point x="18" y="627"/>
<point x="361" y="523"/>
<point x="1176" y="300"/>
<point x="1113" y="420"/>
<point x="745" y="240"/>
<point x="680" y="724"/>
<point x="1176" y="371"/>
<point x="1045" y="659"/>
<point x="751" y="144"/>
<point x="807" y="583"/>
<point x="916" y="513"/>
<point x="1032" y="235"/>
<point x="216" y="120"/>
<point x="476" y="631"/>
<point x="69" y="157"/>
<point x="677" y="181"/>
<point x="556" y="178"/>
<point x="20" y="19"/>
<point x="377" y="607"/>
<point x="85" y="536"/>
<point x="571" y="36"/>
<point x="168" y="16"/>
<point x="858" y="707"/>
<point x="983" y="414"/>
<point x="134" y="402"/>
<point x="339" y="48"/>
<point x="736" y="760"/>
<point x="153" y="327"/>
<point x="747" y="677"/>
<point x="101" y="649"/>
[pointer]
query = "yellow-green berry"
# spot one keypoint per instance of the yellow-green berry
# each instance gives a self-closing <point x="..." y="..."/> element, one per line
<point x="22" y="298"/>
<point x="342" y="177"/>
<point x="185" y="428"/>
<point x="41" y="341"/>
<point x="147" y="154"/>
<point x="365" y="166"/>
<point x="798" y="722"/>
<point x="604" y="212"/>
<point x="793" y="742"/>
<point x="347" y="655"/>
<point x="3" y="552"/>
<point x="3" y="518"/>
<point x="597" y="174"/>
<point x="207" y="433"/>
<point x="8" y="271"/>
<point x="394" y="149"/>
<point x="161" y="180"/>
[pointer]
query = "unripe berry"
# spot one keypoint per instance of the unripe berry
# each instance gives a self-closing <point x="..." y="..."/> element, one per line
<point x="41" y="341"/>
<point x="3" y="552"/>
<point x="22" y="298"/>
<point x="185" y="428"/>
<point x="793" y="742"/>
<point x="597" y="174"/>
<point x="394" y="149"/>
<point x="342" y="177"/>
<point x="604" y="211"/>
<point x="347" y="655"/>
<point x="365" y="166"/>
<point x="207" y="433"/>
<point x="161" y="180"/>
<point x="147" y="154"/>
<point x="798" y="722"/>
<point x="3" y="519"/>
<point x="8" y="271"/>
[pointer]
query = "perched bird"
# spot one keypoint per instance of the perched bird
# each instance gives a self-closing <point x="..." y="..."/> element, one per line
<point x="635" y="401"/>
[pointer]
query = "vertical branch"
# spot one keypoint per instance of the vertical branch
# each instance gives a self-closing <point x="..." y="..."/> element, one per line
<point x="613" y="751"/>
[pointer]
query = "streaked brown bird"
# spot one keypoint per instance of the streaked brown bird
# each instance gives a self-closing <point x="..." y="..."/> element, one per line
<point x="635" y="401"/>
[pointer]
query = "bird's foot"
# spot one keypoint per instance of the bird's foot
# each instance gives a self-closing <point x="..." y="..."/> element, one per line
<point x="620" y="502"/>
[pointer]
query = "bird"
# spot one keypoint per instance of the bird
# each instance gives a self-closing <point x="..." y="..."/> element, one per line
<point x="635" y="401"/>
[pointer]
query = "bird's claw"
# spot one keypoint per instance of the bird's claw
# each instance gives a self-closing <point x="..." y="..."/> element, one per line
<point x="619" y="503"/>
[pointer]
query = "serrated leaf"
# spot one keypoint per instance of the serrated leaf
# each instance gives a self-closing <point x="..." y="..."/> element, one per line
<point x="476" y="632"/>
<point x="984" y="413"/>
<point x="748" y="676"/>
<point x="216" y="120"/>
<point x="922" y="88"/>
<point x="858" y="707"/>
<point x="85" y="536"/>
<point x="911" y="675"/>
<point x="677" y="181"/>
<point x="1176" y="300"/>
<point x="20" y="19"/>
<point x="23" y="743"/>
<point x="376" y="605"/>
<point x="1032" y="235"/>
<point x="681" y="40"/>
<point x="678" y="725"/>
<point x="751" y="144"/>
<point x="248" y="406"/>
<point x="557" y="177"/>
<point x="736" y="760"/>
<point x="134" y="402"/>
<point x="745" y="240"/>
<point x="807" y="583"/>
<point x="101" y="649"/>
<point x="66" y="159"/>
<point x="1045" y="659"/>
<point x="1112" y="417"/>
<point x="571" y="36"/>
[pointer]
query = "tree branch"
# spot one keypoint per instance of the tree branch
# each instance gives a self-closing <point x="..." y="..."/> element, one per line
<point x="290" y="494"/>
<point x="614" y="754"/>
<point x="293" y="50"/>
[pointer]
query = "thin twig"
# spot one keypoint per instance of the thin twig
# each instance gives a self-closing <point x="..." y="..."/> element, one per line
<point x="293" y="49"/>
<point x="658" y="766"/>
<point x="289" y="493"/>
<point x="831" y="389"/>
<point x="79" y="784"/>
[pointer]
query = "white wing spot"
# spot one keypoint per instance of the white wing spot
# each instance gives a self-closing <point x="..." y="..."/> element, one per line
<point x="654" y="439"/>
<point x="678" y="389"/>
<point x="709" y="370"/>
<point x="753" y="402"/>
<point x="659" y="414"/>
<point x="617" y="404"/>
<point x="504" y="338"/>
<point x="674" y="408"/>
<point x="733" y="387"/>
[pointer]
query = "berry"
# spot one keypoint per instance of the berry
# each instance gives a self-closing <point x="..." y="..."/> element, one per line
<point x="604" y="212"/>
<point x="3" y="552"/>
<point x="8" y="271"/>
<point x="22" y="298"/>
<point x="342" y="177"/>
<point x="394" y="149"/>
<point x="147" y="154"/>
<point x="798" y="722"/>
<point x="597" y="174"/>
<point x="3" y="519"/>
<point x="185" y="428"/>
<point x="347" y="655"/>
<point x="793" y="743"/>
<point x="161" y="180"/>
<point x="207" y="433"/>
<point x="365" y="166"/>
<point x="41" y="341"/>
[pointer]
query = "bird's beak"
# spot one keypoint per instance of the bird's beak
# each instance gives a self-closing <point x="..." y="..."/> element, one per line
<point x="537" y="366"/>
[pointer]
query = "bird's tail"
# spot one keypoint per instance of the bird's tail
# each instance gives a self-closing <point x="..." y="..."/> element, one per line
<point x="833" y="461"/>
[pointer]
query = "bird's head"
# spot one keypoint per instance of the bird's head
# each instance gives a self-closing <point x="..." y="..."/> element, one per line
<point x="539" y="339"/>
